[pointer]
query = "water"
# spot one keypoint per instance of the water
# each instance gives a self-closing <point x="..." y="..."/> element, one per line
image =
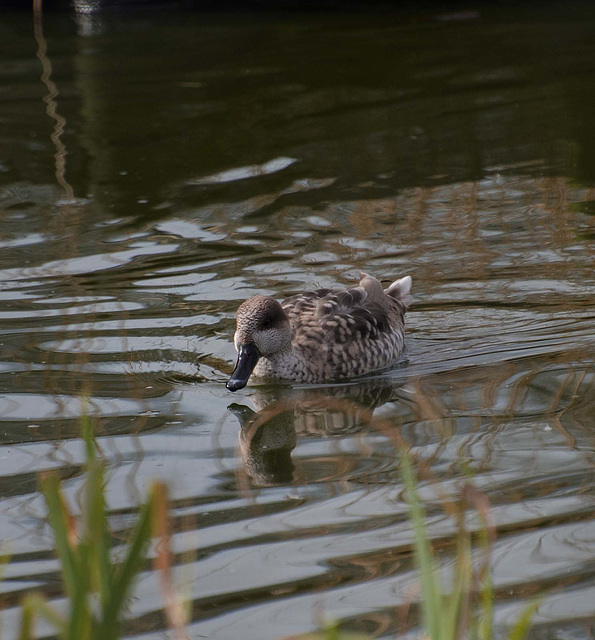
<point x="209" y="158"/>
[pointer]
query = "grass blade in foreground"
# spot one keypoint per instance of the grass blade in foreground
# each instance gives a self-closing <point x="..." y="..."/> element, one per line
<point x="90" y="578"/>
<point x="72" y="556"/>
<point x="433" y="606"/>
<point x="466" y="611"/>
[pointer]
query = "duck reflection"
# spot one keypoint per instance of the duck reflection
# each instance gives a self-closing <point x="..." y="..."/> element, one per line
<point x="266" y="444"/>
<point x="269" y="433"/>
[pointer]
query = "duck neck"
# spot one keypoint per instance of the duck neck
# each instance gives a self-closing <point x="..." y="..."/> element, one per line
<point x="281" y="364"/>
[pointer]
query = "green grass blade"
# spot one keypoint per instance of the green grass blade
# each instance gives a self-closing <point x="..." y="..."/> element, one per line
<point x="457" y="613"/>
<point x="96" y="534"/>
<point x="34" y="605"/>
<point x="521" y="628"/>
<point x="71" y="556"/>
<point x="64" y="535"/>
<point x="88" y="438"/>
<point x="453" y="605"/>
<point x="484" y="620"/>
<point x="4" y="560"/>
<point x="432" y="604"/>
<point x="125" y="574"/>
<point x="27" y="620"/>
<point x="486" y="615"/>
<point x="331" y="631"/>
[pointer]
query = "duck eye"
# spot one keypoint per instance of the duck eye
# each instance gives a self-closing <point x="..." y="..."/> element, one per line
<point x="266" y="323"/>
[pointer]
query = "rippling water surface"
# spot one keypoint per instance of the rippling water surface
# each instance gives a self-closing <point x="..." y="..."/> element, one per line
<point x="212" y="158"/>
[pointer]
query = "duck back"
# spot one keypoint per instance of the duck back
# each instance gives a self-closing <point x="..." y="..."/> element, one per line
<point x="341" y="333"/>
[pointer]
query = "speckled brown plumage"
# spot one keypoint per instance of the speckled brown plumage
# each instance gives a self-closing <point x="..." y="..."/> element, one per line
<point x="322" y="335"/>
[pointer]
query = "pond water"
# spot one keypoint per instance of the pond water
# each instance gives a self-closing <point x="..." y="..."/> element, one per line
<point x="158" y="168"/>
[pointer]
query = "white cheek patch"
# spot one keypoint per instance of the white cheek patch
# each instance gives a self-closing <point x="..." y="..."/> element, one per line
<point x="235" y="340"/>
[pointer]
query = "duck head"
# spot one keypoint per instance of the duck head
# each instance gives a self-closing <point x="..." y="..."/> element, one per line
<point x="262" y="330"/>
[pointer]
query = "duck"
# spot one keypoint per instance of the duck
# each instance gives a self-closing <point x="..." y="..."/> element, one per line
<point x="323" y="335"/>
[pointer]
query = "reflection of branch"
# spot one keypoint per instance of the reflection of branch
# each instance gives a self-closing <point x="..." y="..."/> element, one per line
<point x="50" y="100"/>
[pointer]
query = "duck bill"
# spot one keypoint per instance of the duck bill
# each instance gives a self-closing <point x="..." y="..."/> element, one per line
<point x="248" y="356"/>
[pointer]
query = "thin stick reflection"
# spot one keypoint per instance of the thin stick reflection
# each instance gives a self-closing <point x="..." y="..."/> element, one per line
<point x="50" y="101"/>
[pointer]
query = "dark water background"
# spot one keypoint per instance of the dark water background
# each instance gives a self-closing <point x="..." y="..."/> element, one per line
<point x="209" y="158"/>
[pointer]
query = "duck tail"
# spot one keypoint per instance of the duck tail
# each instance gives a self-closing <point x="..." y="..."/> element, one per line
<point x="400" y="289"/>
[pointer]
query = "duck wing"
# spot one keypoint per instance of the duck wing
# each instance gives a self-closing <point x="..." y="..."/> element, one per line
<point x="352" y="315"/>
<point x="337" y="315"/>
<point x="301" y="308"/>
